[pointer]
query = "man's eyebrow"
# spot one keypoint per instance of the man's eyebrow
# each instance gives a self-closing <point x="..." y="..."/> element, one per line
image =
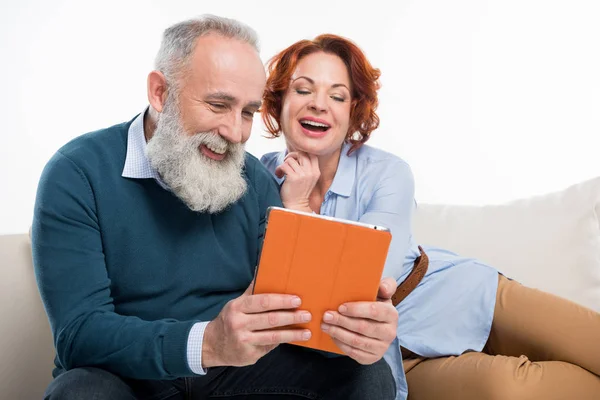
<point x="228" y="98"/>
<point x="222" y="96"/>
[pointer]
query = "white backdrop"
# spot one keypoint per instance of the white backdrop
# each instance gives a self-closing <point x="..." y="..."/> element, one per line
<point x="488" y="100"/>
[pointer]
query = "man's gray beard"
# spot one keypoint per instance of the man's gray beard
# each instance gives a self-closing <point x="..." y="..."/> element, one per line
<point x="203" y="184"/>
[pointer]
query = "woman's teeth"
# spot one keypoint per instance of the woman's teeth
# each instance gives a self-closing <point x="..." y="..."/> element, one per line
<point x="314" y="126"/>
<point x="313" y="123"/>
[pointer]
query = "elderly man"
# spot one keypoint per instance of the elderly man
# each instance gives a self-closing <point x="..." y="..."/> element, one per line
<point x="146" y="235"/>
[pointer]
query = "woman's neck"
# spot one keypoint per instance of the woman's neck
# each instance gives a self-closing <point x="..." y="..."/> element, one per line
<point x="328" y="166"/>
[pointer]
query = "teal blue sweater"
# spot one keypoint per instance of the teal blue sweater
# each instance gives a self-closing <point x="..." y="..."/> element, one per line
<point x="125" y="268"/>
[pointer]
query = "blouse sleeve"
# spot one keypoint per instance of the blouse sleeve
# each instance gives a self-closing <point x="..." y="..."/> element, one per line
<point x="391" y="205"/>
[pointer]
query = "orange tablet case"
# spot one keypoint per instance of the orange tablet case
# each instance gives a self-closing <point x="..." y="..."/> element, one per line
<point x="323" y="260"/>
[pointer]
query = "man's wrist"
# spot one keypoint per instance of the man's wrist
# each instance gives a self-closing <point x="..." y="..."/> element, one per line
<point x="209" y="355"/>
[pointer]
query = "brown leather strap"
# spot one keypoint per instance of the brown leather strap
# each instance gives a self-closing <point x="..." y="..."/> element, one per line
<point x="413" y="279"/>
<point x="407" y="354"/>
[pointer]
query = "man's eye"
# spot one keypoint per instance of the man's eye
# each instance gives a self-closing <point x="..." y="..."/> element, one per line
<point x="218" y="105"/>
<point x="248" y="114"/>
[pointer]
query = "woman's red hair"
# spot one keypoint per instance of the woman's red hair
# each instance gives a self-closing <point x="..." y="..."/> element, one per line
<point x="364" y="80"/>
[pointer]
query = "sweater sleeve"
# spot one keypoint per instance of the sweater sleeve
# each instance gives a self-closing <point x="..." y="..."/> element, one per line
<point x="74" y="285"/>
<point x="267" y="192"/>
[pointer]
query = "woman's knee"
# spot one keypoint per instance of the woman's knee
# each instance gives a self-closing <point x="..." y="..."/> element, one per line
<point x="88" y="383"/>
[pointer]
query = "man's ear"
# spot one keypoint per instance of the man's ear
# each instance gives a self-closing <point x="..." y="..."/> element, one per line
<point x="157" y="90"/>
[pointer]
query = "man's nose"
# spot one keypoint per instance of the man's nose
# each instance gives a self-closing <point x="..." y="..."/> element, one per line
<point x="231" y="130"/>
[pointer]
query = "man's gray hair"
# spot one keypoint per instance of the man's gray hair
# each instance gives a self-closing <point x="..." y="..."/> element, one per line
<point x="179" y="40"/>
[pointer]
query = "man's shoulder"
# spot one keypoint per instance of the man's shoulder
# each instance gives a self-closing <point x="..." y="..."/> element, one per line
<point x="259" y="178"/>
<point x="270" y="160"/>
<point x="94" y="155"/>
<point x="255" y="169"/>
<point x="97" y="145"/>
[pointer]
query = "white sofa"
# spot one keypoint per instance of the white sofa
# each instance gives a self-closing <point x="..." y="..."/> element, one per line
<point x="551" y="242"/>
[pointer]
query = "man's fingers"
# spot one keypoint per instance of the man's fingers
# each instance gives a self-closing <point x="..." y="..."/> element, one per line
<point x="275" y="319"/>
<point x="358" y="355"/>
<point x="387" y="288"/>
<point x="278" y="336"/>
<point x="259" y="303"/>
<point x="377" y="311"/>
<point x="359" y="342"/>
<point x="361" y="326"/>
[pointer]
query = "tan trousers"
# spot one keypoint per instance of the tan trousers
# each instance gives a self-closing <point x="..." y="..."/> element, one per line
<point x="540" y="347"/>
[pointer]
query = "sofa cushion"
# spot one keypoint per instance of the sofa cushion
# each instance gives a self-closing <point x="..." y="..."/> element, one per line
<point x="550" y="242"/>
<point x="26" y="346"/>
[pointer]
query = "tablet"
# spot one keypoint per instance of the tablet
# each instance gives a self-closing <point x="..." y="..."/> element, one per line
<point x="325" y="261"/>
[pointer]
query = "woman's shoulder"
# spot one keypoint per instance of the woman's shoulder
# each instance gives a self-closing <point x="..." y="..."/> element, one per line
<point x="373" y="158"/>
<point x="369" y="160"/>
<point x="269" y="157"/>
<point x="271" y="160"/>
<point x="376" y="169"/>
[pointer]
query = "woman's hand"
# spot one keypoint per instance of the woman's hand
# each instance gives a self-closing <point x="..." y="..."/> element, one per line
<point x="301" y="172"/>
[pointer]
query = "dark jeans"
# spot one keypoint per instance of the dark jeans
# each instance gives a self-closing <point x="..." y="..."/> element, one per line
<point x="288" y="372"/>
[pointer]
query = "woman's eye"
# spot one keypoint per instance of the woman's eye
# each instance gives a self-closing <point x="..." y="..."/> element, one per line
<point x="302" y="92"/>
<point x="337" y="98"/>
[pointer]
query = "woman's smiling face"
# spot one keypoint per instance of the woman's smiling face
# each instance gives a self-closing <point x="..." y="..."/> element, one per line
<point x="315" y="114"/>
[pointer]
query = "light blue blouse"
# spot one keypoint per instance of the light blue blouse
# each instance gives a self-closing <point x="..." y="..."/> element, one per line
<point x="451" y="310"/>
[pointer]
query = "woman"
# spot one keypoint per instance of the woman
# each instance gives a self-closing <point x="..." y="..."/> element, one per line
<point x="467" y="331"/>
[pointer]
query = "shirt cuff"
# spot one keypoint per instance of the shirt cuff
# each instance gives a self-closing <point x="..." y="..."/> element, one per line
<point x="194" y="348"/>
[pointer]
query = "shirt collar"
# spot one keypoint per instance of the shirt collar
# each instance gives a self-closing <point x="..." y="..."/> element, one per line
<point x="343" y="181"/>
<point x="137" y="165"/>
<point x="280" y="157"/>
<point x="344" y="177"/>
